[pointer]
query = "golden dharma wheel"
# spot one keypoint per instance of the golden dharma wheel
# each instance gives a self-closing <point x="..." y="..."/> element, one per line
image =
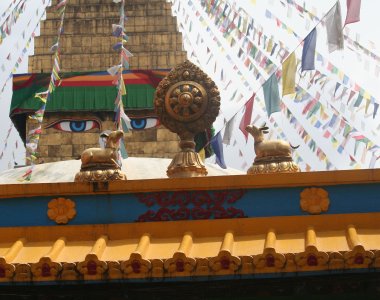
<point x="187" y="100"/>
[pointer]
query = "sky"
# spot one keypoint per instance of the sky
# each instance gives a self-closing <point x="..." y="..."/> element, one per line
<point x="14" y="44"/>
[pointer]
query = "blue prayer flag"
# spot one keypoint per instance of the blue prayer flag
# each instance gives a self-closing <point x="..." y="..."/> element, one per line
<point x="217" y="146"/>
<point x="308" y="51"/>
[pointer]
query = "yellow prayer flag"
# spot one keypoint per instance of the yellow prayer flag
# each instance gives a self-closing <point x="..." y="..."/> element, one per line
<point x="368" y="101"/>
<point x="289" y="75"/>
<point x="202" y="154"/>
<point x="270" y="45"/>
<point x="41" y="98"/>
<point x="366" y="95"/>
<point x="340" y="75"/>
<point x="123" y="90"/>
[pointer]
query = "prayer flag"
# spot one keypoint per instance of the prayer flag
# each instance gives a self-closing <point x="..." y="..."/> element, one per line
<point x="125" y="53"/>
<point x="246" y="120"/>
<point x="289" y="75"/>
<point x="125" y="121"/>
<point x="202" y="154"/>
<point x="308" y="51"/>
<point x="271" y="95"/>
<point x="117" y="30"/>
<point x="358" y="100"/>
<point x="375" y="108"/>
<point x="123" y="149"/>
<point x="228" y="131"/>
<point x="117" y="46"/>
<point x="54" y="48"/>
<point x="61" y="3"/>
<point x="114" y="70"/>
<point x="217" y="146"/>
<point x="125" y="63"/>
<point x="122" y="88"/>
<point x="353" y="11"/>
<point x="334" y="28"/>
<point x="61" y="10"/>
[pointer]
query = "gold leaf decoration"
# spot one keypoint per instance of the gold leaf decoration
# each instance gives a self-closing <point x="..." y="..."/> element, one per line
<point x="61" y="210"/>
<point x="314" y="200"/>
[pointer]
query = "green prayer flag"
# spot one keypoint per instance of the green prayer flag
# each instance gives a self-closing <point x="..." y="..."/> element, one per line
<point x="271" y="95"/>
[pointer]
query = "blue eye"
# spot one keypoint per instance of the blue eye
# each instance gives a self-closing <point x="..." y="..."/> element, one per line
<point x="138" y="123"/>
<point x="143" y="123"/>
<point x="74" y="125"/>
<point x="77" y="126"/>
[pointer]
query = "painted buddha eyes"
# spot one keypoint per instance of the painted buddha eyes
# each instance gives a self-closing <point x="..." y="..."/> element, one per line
<point x="69" y="125"/>
<point x="74" y="125"/>
<point x="143" y="123"/>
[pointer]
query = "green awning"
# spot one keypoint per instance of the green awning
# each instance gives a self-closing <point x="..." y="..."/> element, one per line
<point x="85" y="91"/>
<point x="89" y="98"/>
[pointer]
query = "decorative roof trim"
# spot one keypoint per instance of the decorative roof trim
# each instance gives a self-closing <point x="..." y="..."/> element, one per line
<point x="183" y="264"/>
<point x="324" y="178"/>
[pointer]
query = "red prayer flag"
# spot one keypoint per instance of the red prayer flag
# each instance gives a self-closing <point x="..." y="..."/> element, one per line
<point x="327" y="134"/>
<point x="246" y="120"/>
<point x="353" y="11"/>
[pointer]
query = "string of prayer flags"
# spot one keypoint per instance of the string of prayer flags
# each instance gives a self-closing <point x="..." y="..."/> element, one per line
<point x="7" y="10"/>
<point x="308" y="51"/>
<point x="289" y="74"/>
<point x="334" y="28"/>
<point x="24" y="50"/>
<point x="216" y="144"/>
<point x="6" y="140"/>
<point x="353" y="11"/>
<point x="333" y="69"/>
<point x="33" y="136"/>
<point x="354" y="8"/>
<point x="246" y="120"/>
<point x="258" y="42"/>
<point x="271" y="95"/>
<point x="10" y="21"/>
<point x="122" y="121"/>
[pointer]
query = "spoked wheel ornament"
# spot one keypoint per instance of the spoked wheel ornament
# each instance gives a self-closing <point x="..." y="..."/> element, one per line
<point x="187" y="102"/>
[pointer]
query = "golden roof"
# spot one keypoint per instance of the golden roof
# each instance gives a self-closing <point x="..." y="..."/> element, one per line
<point x="185" y="248"/>
<point x="307" y="241"/>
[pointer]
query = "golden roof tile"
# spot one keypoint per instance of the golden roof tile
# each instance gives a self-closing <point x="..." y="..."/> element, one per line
<point x="192" y="253"/>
